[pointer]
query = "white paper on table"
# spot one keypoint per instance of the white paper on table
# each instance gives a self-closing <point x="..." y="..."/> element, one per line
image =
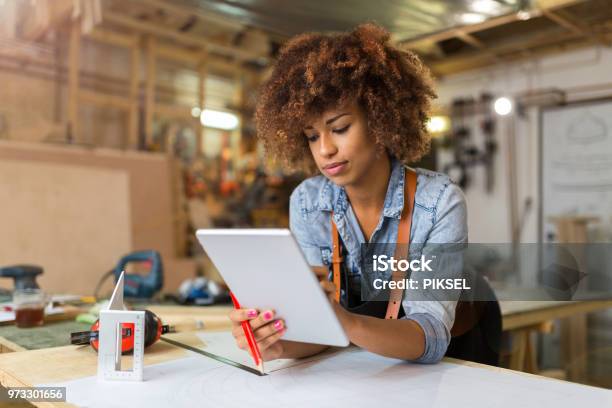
<point x="223" y="344"/>
<point x="350" y="378"/>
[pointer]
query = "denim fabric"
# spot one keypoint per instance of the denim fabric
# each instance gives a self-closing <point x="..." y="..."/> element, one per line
<point x="439" y="217"/>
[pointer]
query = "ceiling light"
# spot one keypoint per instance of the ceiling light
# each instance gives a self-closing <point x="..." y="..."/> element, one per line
<point x="472" y="18"/>
<point x="486" y="7"/>
<point x="437" y="124"/>
<point x="219" y="119"/>
<point x="502" y="106"/>
<point x="523" y="15"/>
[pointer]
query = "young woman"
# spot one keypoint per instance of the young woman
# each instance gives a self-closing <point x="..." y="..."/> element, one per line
<point x="353" y="107"/>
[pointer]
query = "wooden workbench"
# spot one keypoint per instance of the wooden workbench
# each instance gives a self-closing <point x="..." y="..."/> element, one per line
<point x="522" y="318"/>
<point x="56" y="333"/>
<point x="25" y="368"/>
<point x="521" y="314"/>
<point x="519" y="318"/>
<point x="28" y="368"/>
<point x="54" y="365"/>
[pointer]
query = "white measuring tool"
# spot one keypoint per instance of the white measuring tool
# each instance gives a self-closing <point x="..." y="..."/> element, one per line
<point x="109" y="348"/>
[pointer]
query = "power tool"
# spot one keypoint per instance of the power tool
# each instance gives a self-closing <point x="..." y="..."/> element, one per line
<point x="137" y="285"/>
<point x="24" y="275"/>
<point x="152" y="332"/>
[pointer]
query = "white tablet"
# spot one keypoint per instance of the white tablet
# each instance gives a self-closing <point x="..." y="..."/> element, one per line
<point x="265" y="269"/>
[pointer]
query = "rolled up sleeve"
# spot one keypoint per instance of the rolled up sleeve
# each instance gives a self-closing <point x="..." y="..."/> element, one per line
<point x="435" y="311"/>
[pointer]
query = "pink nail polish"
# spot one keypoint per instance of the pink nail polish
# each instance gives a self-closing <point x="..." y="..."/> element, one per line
<point x="278" y="325"/>
<point x="268" y="315"/>
<point x="252" y="313"/>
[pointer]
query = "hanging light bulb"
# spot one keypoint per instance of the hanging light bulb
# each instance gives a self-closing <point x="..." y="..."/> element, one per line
<point x="437" y="125"/>
<point x="503" y="106"/>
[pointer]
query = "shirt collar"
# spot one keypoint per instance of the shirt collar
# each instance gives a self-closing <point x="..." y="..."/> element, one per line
<point x="333" y="198"/>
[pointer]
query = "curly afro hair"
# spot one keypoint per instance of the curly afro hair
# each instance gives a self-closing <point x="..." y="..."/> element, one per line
<point x="317" y="72"/>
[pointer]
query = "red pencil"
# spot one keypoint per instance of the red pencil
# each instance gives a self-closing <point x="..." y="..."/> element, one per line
<point x="248" y="333"/>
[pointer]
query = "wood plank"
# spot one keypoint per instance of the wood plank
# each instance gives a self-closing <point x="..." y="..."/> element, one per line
<point x="538" y="312"/>
<point x="186" y="12"/>
<point x="151" y="46"/>
<point x="74" y="54"/>
<point x="127" y="218"/>
<point x="112" y="37"/>
<point x="470" y="39"/>
<point x="185" y="39"/>
<point x="574" y="347"/>
<point x="576" y="28"/>
<point x="7" y="346"/>
<point x="56" y="364"/>
<point x="194" y="58"/>
<point x="519" y="348"/>
<point x="132" y="139"/>
<point x="104" y="100"/>
<point x="210" y="317"/>
<point x="202" y="75"/>
<point x="173" y="111"/>
<point x="178" y="54"/>
<point x="72" y="362"/>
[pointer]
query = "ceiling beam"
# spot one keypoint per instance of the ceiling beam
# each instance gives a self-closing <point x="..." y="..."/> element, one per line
<point x="114" y="38"/>
<point x="185" y="39"/>
<point x="563" y="22"/>
<point x="182" y="55"/>
<point x="470" y="39"/>
<point x="540" y="46"/>
<point x="452" y="33"/>
<point x="487" y="24"/>
<point x="574" y="27"/>
<point x="187" y="12"/>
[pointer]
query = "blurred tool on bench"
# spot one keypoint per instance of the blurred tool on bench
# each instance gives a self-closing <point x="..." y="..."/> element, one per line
<point x="137" y="285"/>
<point x="23" y="275"/>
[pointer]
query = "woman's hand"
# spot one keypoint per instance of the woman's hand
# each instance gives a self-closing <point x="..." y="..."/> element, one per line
<point x="328" y="287"/>
<point x="266" y="329"/>
<point x="347" y="319"/>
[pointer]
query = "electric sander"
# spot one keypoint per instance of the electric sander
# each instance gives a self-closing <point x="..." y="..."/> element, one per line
<point x="23" y="275"/>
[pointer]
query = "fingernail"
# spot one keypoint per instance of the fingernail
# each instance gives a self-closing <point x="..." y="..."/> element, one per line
<point x="278" y="325"/>
<point x="268" y="316"/>
<point x="252" y="313"/>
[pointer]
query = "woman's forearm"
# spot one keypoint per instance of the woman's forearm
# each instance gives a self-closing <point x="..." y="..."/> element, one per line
<point x="295" y="349"/>
<point x="403" y="339"/>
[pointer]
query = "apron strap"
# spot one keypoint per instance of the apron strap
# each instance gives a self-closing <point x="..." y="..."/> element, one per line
<point x="336" y="258"/>
<point x="401" y="252"/>
<point x="402" y="247"/>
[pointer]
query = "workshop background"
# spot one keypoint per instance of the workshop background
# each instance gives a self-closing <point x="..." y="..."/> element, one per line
<point x="127" y="125"/>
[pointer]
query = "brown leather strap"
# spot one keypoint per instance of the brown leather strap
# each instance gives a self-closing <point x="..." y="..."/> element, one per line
<point x="403" y="243"/>
<point x="401" y="247"/>
<point x="336" y="258"/>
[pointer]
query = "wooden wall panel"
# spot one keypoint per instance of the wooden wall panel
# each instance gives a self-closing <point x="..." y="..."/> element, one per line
<point x="56" y="215"/>
<point x="149" y="200"/>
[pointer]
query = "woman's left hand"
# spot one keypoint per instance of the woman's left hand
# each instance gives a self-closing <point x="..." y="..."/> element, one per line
<point x="346" y="318"/>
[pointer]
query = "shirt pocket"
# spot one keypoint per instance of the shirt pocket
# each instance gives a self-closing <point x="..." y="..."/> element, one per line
<point x="326" y="255"/>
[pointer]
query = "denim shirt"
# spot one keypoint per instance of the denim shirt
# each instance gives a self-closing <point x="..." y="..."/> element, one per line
<point x="439" y="217"/>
